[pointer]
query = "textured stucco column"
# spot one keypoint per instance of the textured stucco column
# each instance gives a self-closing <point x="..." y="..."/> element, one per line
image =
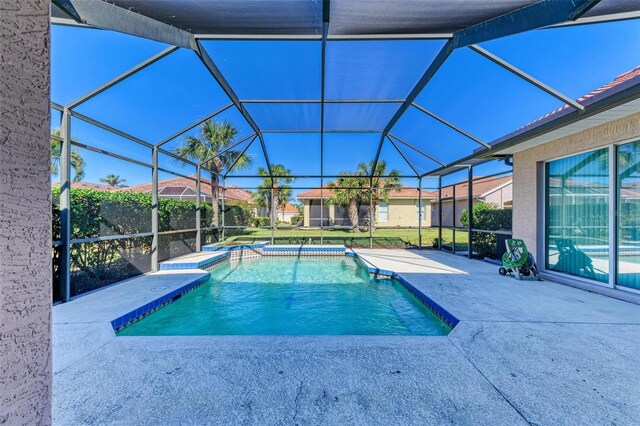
<point x="25" y="214"/>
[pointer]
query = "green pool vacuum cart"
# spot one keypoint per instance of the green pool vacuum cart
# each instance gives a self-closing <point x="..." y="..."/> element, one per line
<point x="518" y="261"/>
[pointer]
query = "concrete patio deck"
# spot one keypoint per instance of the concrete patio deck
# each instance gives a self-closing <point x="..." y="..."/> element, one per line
<point x="523" y="353"/>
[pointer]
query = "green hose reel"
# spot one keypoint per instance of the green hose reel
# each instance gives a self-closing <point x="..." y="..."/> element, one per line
<point x="517" y="260"/>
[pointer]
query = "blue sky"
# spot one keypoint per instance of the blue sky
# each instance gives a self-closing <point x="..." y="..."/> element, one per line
<point x="469" y="91"/>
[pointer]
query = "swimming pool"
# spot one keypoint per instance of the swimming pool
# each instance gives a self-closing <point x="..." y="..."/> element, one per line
<point x="293" y="296"/>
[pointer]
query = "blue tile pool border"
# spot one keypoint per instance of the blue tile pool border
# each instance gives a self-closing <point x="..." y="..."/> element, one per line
<point x="141" y="312"/>
<point x="440" y="312"/>
<point x="434" y="307"/>
<point x="215" y="248"/>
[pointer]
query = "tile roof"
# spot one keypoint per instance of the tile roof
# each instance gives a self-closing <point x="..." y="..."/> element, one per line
<point x="406" y="192"/>
<point x="87" y="185"/>
<point x="480" y="186"/>
<point x="288" y="208"/>
<point x="175" y="186"/>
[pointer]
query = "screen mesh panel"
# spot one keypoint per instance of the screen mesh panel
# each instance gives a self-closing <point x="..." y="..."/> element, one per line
<point x="416" y="16"/>
<point x="393" y="162"/>
<point x="269" y="69"/>
<point x="234" y="16"/>
<point x="253" y="164"/>
<point x="418" y="160"/>
<point x="376" y="69"/>
<point x="488" y="102"/>
<point x="86" y="58"/>
<point x="574" y="66"/>
<point x="286" y="116"/>
<point x="297" y="152"/>
<point x="161" y="99"/>
<point x="348" y="17"/>
<point x="343" y="152"/>
<point x="360" y="116"/>
<point x="230" y="116"/>
<point x="433" y="137"/>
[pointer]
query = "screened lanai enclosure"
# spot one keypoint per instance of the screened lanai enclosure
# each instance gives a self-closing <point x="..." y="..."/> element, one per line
<point x="177" y="124"/>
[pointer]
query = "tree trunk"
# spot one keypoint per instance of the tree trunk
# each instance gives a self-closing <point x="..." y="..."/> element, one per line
<point x="352" y="211"/>
<point x="215" y="198"/>
<point x="274" y="207"/>
<point x="372" y="214"/>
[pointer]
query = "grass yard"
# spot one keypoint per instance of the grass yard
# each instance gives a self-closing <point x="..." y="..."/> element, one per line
<point x="385" y="237"/>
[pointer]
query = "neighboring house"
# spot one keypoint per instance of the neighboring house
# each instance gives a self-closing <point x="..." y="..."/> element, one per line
<point x="180" y="188"/>
<point x="284" y="214"/>
<point x="401" y="210"/>
<point x="576" y="186"/>
<point x="497" y="191"/>
<point x="86" y="185"/>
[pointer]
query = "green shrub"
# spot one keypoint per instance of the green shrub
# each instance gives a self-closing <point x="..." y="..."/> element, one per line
<point x="238" y="214"/>
<point x="262" y="221"/>
<point x="101" y="213"/>
<point x="488" y="217"/>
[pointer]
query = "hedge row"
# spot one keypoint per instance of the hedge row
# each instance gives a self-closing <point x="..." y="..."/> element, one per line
<point x="488" y="217"/>
<point x="100" y="213"/>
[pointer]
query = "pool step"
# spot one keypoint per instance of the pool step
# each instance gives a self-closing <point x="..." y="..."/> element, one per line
<point x="194" y="261"/>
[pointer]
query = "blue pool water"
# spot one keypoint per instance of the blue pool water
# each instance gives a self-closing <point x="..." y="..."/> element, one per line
<point x="293" y="296"/>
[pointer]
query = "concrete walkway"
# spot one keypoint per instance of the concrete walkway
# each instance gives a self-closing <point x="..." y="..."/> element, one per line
<point x="523" y="353"/>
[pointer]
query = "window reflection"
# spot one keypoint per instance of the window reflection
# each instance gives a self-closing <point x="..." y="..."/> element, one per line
<point x="628" y="158"/>
<point x="577" y="215"/>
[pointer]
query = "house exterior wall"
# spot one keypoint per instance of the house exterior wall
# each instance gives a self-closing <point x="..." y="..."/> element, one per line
<point x="447" y="212"/>
<point x="25" y="221"/>
<point x="286" y="216"/>
<point x="501" y="196"/>
<point x="306" y="211"/>
<point x="528" y="173"/>
<point x="402" y="213"/>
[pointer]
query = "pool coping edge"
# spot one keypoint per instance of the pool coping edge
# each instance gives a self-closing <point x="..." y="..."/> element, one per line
<point x="137" y="314"/>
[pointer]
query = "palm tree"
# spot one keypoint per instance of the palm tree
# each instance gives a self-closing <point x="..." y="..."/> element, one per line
<point x="114" y="181"/>
<point x="281" y="191"/>
<point x="353" y="191"/>
<point x="348" y="192"/>
<point x="76" y="161"/>
<point x="383" y="183"/>
<point x="215" y="137"/>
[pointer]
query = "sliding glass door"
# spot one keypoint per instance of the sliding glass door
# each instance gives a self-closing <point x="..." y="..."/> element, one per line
<point x="628" y="189"/>
<point x="577" y="215"/>
<point x="579" y="221"/>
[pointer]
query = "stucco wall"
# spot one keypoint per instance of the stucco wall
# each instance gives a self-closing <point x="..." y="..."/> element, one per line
<point x="404" y="213"/>
<point x="501" y="196"/>
<point x="526" y="178"/>
<point x="401" y="213"/>
<point x="25" y="214"/>
<point x="306" y="212"/>
<point x="447" y="212"/>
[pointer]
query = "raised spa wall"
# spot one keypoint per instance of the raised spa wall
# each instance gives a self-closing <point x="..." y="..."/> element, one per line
<point x="265" y="249"/>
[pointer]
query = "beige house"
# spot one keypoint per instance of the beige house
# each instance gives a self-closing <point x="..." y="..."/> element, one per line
<point x="283" y="214"/>
<point x="401" y="210"/>
<point x="576" y="186"/>
<point x="496" y="190"/>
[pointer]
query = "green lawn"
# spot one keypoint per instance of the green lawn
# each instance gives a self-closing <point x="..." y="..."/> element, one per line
<point x="381" y="237"/>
